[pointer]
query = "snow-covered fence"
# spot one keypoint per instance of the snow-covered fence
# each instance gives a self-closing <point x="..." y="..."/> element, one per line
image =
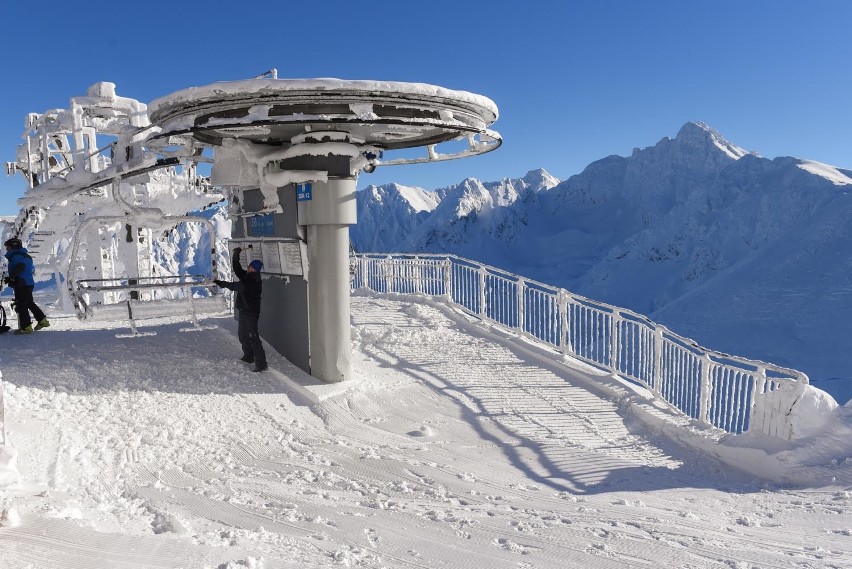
<point x="732" y="393"/>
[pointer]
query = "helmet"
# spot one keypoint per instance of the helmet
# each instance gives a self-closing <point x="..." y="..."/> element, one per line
<point x="14" y="243"/>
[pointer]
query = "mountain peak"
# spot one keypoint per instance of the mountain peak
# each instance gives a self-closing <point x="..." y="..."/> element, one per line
<point x="696" y="133"/>
<point x="540" y="179"/>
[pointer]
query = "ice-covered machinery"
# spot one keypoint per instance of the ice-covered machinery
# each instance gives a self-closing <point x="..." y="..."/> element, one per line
<point x="99" y="206"/>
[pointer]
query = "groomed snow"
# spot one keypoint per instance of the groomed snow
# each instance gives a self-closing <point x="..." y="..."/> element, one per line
<point x="453" y="447"/>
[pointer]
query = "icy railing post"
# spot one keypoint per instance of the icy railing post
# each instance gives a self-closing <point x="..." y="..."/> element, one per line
<point x="615" y="324"/>
<point x="657" y="380"/>
<point x="758" y="416"/>
<point x="418" y="276"/>
<point x="364" y="278"/>
<point x="388" y="268"/>
<point x="565" y="316"/>
<point x="704" y="397"/>
<point x="481" y="273"/>
<point x="448" y="279"/>
<point x="521" y="313"/>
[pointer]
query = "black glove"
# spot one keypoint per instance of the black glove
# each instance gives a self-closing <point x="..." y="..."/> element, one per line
<point x="9" y="280"/>
<point x="217" y="282"/>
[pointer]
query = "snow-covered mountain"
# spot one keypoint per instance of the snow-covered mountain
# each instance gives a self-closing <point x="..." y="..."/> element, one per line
<point x="387" y="212"/>
<point x="468" y="217"/>
<point x="745" y="254"/>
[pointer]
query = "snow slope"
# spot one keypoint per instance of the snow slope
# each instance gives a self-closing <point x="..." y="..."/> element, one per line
<point x="453" y="447"/>
<point x="387" y="212"/>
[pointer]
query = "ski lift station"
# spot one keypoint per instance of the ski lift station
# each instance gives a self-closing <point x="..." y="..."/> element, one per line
<point x="114" y="215"/>
<point x="111" y="178"/>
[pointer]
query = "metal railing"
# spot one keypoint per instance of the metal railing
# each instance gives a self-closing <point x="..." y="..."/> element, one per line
<point x="732" y="393"/>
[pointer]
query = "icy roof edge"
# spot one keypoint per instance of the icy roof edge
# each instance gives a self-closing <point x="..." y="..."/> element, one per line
<point x="224" y="88"/>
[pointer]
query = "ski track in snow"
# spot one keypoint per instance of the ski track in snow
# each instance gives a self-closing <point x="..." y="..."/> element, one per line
<point x="450" y="449"/>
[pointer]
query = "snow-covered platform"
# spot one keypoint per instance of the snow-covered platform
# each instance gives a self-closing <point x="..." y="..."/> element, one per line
<point x="454" y="448"/>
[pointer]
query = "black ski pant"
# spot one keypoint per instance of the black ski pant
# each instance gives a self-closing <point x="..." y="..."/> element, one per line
<point x="250" y="338"/>
<point x="24" y="304"/>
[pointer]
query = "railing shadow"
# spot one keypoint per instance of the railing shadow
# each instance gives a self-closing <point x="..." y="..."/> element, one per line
<point x="544" y="417"/>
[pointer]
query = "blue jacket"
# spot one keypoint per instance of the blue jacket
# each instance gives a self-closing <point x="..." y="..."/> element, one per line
<point x="20" y="267"/>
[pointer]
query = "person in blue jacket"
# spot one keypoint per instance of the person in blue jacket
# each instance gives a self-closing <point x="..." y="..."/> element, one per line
<point x="21" y="280"/>
<point x="248" y="288"/>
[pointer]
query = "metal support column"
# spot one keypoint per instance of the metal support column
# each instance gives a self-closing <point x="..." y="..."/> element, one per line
<point x="328" y="302"/>
<point x="327" y="216"/>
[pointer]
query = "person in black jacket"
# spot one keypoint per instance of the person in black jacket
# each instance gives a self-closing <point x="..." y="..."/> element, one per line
<point x="248" y="289"/>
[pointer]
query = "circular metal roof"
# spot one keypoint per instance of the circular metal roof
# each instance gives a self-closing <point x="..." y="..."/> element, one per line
<point x="387" y="115"/>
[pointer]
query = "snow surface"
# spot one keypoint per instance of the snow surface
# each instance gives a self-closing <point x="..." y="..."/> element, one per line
<point x="454" y="446"/>
<point x="419" y="200"/>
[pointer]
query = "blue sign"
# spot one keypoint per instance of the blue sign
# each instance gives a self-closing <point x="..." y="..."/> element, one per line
<point x="303" y="193"/>
<point x="263" y="225"/>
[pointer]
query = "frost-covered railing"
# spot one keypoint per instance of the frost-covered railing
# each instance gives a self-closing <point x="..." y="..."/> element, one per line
<point x="732" y="393"/>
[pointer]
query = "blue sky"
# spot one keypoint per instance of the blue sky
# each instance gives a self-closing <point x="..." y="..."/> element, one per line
<point x="574" y="80"/>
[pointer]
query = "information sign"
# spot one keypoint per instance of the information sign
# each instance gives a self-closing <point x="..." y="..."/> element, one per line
<point x="304" y="192"/>
<point x="263" y="225"/>
<point x="291" y="257"/>
<point x="271" y="257"/>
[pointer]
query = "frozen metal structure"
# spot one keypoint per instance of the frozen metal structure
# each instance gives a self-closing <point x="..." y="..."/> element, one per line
<point x="98" y="204"/>
<point x="289" y="152"/>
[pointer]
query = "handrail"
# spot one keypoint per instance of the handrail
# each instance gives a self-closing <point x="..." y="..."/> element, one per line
<point x="204" y="280"/>
<point x="729" y="392"/>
